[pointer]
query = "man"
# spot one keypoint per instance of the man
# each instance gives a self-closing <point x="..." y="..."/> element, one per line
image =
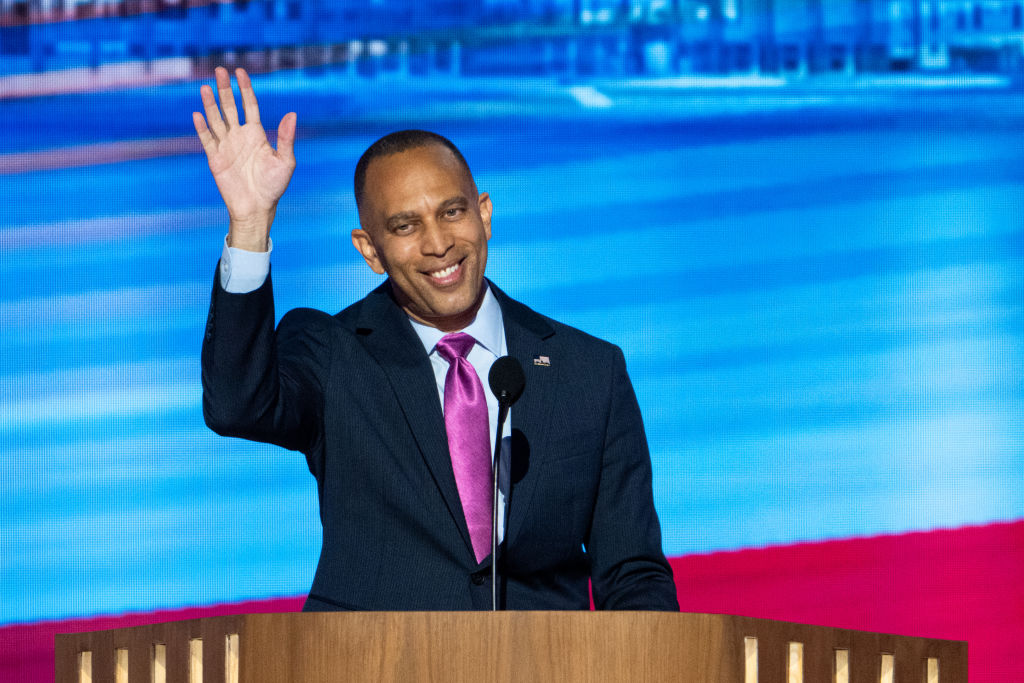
<point x="387" y="402"/>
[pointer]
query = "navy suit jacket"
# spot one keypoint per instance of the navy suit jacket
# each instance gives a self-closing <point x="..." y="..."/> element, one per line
<point x="356" y="393"/>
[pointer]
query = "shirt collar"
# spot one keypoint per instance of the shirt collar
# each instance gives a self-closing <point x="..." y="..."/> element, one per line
<point x="487" y="327"/>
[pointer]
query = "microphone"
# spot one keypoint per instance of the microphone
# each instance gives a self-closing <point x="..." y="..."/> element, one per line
<point x="507" y="382"/>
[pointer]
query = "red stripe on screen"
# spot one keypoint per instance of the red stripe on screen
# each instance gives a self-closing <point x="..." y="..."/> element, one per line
<point x="957" y="584"/>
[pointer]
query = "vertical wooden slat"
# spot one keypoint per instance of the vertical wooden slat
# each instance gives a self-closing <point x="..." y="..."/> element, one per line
<point x="795" y="663"/>
<point x="158" y="663"/>
<point x="85" y="667"/>
<point x="750" y="660"/>
<point x="931" y="671"/>
<point x="231" y="658"/>
<point x="841" y="672"/>
<point x="887" y="668"/>
<point x="195" y="660"/>
<point x="121" y="665"/>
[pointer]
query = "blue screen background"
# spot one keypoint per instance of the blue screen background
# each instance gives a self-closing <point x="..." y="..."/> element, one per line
<point x="816" y="279"/>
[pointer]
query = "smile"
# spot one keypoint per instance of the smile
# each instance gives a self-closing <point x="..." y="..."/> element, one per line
<point x="446" y="275"/>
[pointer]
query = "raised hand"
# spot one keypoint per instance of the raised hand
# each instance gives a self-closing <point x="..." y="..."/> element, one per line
<point x="250" y="174"/>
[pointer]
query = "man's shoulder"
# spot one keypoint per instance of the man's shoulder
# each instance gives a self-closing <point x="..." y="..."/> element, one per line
<point x="347" y="319"/>
<point x="550" y="329"/>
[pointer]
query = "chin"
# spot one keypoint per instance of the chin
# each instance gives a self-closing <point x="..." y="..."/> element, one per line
<point x="452" y="311"/>
<point x="452" y="308"/>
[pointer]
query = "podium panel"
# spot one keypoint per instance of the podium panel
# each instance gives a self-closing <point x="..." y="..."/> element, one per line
<point x="503" y="646"/>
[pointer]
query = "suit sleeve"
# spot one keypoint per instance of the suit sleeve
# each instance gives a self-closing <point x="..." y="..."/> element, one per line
<point x="628" y="567"/>
<point x="262" y="384"/>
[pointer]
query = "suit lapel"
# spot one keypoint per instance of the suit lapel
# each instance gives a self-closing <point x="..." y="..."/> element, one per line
<point x="527" y="335"/>
<point x="389" y="338"/>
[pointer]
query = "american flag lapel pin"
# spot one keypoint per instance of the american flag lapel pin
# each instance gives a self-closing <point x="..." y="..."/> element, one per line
<point x="542" y="361"/>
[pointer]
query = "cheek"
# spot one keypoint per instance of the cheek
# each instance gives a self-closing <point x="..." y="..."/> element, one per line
<point x="476" y="235"/>
<point x="402" y="265"/>
<point x="483" y="243"/>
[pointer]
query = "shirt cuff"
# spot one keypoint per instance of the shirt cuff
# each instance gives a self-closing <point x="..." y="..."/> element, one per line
<point x="244" y="271"/>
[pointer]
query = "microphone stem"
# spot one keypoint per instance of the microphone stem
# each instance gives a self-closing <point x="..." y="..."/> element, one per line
<point x="496" y="466"/>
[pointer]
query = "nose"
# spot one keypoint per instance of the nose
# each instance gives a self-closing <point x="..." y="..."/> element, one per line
<point x="437" y="240"/>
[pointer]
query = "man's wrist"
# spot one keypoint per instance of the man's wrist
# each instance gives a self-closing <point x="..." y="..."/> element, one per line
<point x="250" y="234"/>
<point x="248" y="242"/>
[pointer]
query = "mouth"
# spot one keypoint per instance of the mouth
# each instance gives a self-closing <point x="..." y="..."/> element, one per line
<point x="447" y="275"/>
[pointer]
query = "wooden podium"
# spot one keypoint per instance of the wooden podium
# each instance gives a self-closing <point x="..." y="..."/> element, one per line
<point x="503" y="646"/>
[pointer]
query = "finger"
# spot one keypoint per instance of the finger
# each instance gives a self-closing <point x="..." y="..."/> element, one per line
<point x="212" y="111"/>
<point x="252" y="110"/>
<point x="226" y="96"/>
<point x="205" y="136"/>
<point x="286" y="136"/>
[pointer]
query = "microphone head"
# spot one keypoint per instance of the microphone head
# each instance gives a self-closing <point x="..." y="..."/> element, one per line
<point x="507" y="380"/>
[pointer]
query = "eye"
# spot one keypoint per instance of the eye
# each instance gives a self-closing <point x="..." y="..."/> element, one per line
<point x="454" y="212"/>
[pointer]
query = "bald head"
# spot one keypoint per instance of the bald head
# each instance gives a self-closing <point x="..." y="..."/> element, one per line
<point x="395" y="143"/>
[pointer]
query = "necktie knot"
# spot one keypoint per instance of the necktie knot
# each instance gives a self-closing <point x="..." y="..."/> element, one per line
<point x="457" y="345"/>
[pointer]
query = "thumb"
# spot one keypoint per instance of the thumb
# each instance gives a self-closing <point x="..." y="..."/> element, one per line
<point x="286" y="136"/>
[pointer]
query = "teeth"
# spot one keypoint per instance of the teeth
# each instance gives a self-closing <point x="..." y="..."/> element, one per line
<point x="446" y="272"/>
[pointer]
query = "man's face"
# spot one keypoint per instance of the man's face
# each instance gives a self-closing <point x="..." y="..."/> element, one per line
<point x="424" y="224"/>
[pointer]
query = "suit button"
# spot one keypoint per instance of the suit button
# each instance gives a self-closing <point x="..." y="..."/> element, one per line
<point x="478" y="579"/>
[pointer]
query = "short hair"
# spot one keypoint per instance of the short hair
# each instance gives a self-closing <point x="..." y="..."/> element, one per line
<point x="394" y="143"/>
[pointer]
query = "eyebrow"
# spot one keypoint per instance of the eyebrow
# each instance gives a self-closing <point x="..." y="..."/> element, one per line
<point x="401" y="217"/>
<point x="451" y="201"/>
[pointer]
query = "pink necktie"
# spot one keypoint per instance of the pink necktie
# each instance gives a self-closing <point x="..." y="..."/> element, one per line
<point x="465" y="420"/>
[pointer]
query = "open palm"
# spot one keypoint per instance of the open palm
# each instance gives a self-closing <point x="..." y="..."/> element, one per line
<point x="250" y="174"/>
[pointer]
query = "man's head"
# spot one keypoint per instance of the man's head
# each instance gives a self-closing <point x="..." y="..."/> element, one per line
<point x="425" y="225"/>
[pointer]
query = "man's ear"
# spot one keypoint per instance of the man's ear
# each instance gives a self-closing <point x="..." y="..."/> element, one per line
<point x="364" y="245"/>
<point x="484" y="203"/>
